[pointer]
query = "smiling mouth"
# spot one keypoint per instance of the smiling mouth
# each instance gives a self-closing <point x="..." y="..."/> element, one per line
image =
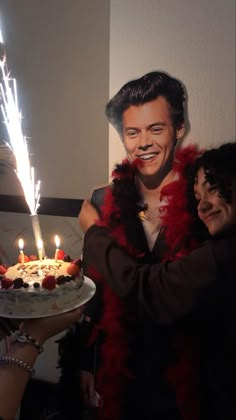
<point x="211" y="216"/>
<point x="148" y="156"/>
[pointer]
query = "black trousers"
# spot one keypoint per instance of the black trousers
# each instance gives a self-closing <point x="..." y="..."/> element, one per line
<point x="40" y="401"/>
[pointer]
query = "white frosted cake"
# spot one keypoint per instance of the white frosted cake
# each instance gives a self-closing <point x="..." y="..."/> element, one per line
<point x="40" y="288"/>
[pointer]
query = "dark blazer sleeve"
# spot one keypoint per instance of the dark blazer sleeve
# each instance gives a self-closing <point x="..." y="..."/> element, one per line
<point x="166" y="291"/>
<point x="97" y="197"/>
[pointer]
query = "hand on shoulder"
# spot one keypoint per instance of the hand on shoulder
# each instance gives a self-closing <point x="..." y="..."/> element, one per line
<point x="88" y="216"/>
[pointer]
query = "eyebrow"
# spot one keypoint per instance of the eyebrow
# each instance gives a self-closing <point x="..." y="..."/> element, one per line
<point x="195" y="185"/>
<point x="162" y="124"/>
<point x="202" y="183"/>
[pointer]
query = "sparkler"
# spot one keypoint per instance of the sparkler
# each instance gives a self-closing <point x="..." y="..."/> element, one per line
<point x="17" y="143"/>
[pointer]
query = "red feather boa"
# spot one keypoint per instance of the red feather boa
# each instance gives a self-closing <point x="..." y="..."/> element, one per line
<point x="176" y="218"/>
<point x="113" y="374"/>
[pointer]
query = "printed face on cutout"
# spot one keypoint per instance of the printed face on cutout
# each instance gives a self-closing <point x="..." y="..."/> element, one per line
<point x="150" y="136"/>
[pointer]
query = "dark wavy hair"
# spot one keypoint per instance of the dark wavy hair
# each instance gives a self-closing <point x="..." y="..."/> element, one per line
<point x="146" y="89"/>
<point x="219" y="165"/>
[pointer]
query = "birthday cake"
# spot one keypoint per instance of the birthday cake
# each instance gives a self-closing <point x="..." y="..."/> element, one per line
<point x="40" y="288"/>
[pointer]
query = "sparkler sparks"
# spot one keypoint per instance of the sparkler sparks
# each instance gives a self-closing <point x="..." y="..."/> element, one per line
<point x="17" y="143"/>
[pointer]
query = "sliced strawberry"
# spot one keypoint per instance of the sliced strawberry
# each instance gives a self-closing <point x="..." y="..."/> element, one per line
<point x="2" y="269"/>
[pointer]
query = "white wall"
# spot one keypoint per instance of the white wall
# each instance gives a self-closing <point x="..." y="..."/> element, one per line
<point x="193" y="41"/>
<point x="58" y="50"/>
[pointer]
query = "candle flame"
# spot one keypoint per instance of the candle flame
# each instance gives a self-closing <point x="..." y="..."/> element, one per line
<point x="21" y="244"/>
<point x="57" y="241"/>
<point x="17" y="141"/>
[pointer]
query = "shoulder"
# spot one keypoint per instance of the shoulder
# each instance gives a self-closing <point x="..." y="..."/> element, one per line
<point x="98" y="195"/>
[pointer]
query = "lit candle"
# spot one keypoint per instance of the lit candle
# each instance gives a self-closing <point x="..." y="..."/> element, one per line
<point x="40" y="249"/>
<point x="57" y="242"/>
<point x="21" y="246"/>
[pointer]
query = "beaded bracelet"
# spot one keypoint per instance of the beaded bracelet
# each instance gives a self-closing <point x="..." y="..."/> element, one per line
<point x="27" y="338"/>
<point x="11" y="360"/>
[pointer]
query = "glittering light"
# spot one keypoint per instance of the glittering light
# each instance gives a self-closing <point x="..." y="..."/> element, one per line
<point x="18" y="146"/>
<point x="17" y="141"/>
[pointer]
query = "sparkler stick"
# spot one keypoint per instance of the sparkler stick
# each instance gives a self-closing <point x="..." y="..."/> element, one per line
<point x="17" y="144"/>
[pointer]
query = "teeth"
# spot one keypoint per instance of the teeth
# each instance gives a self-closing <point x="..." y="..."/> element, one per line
<point x="145" y="157"/>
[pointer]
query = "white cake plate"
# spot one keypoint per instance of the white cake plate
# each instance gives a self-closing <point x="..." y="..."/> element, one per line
<point x="88" y="292"/>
